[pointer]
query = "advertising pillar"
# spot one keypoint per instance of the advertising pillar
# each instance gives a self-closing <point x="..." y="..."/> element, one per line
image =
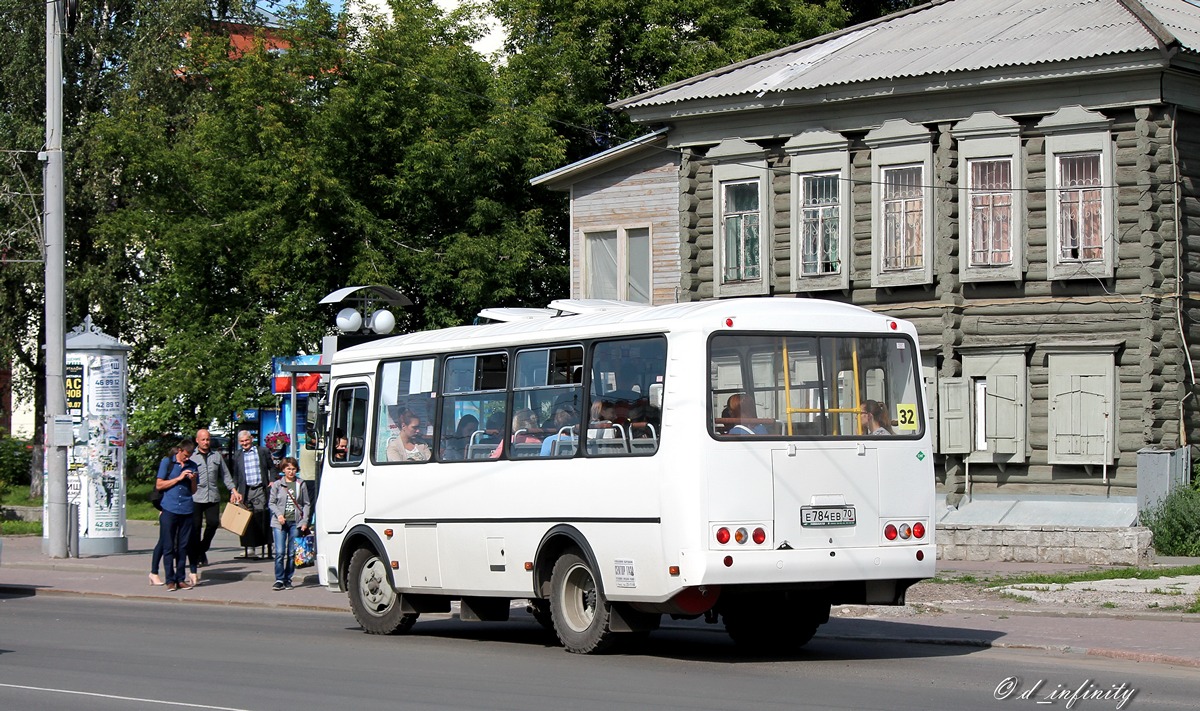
<point x="97" y="388"/>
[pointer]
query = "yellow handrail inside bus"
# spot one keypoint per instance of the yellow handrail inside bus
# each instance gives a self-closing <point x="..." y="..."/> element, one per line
<point x="787" y="392"/>
<point x="857" y="394"/>
<point x="787" y="386"/>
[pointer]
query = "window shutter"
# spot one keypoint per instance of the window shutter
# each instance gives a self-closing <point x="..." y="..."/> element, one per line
<point x="954" y="425"/>
<point x="929" y="376"/>
<point x="1078" y="424"/>
<point x="1004" y="411"/>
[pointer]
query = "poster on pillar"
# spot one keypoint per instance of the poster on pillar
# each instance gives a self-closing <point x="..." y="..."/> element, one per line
<point x="96" y="463"/>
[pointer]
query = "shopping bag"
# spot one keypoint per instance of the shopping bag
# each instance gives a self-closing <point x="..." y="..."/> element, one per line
<point x="305" y="550"/>
<point x="235" y="518"/>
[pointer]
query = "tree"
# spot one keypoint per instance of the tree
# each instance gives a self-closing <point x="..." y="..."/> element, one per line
<point x="571" y="58"/>
<point x="382" y="156"/>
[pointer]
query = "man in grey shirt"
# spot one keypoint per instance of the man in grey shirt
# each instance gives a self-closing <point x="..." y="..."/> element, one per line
<point x="207" y="499"/>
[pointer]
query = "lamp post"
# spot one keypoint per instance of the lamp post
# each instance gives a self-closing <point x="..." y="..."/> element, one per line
<point x="55" y="443"/>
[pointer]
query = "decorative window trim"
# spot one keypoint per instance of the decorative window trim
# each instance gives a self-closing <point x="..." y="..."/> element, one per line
<point x="987" y="135"/>
<point x="1073" y="129"/>
<point x="820" y="152"/>
<point x="899" y="143"/>
<point x="735" y="160"/>
<point x="622" y="232"/>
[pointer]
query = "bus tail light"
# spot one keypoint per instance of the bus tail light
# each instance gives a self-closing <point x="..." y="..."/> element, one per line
<point x="722" y="535"/>
<point x="918" y="530"/>
<point x="889" y="532"/>
<point x="905" y="531"/>
<point x="741" y="535"/>
<point x="759" y="536"/>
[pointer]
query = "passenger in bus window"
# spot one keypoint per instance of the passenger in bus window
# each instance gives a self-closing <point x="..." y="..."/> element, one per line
<point x="563" y="422"/>
<point x="733" y="411"/>
<point x="874" y="418"/>
<point x="600" y="420"/>
<point x="523" y="425"/>
<point x="456" y="445"/>
<point x="340" y="447"/>
<point x="405" y="448"/>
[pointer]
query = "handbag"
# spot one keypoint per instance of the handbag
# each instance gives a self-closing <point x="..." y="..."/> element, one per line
<point x="304" y="547"/>
<point x="305" y="551"/>
<point x="235" y="518"/>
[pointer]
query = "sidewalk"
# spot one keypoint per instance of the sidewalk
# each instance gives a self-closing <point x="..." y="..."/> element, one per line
<point x="1167" y="637"/>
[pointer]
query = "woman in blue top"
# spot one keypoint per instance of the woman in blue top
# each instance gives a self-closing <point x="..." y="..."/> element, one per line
<point x="177" y="485"/>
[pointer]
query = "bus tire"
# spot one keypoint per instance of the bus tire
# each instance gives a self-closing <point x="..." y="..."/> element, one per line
<point x="578" y="608"/>
<point x="540" y="609"/>
<point x="760" y="626"/>
<point x="373" y="600"/>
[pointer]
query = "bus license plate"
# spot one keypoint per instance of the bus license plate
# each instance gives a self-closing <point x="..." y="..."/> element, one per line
<point x="827" y="516"/>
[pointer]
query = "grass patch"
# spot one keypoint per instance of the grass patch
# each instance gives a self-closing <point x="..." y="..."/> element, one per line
<point x="1104" y="574"/>
<point x="1016" y="597"/>
<point x="20" y="528"/>
<point x="1108" y="605"/>
<point x="1194" y="608"/>
<point x="18" y="496"/>
<point x="137" y="501"/>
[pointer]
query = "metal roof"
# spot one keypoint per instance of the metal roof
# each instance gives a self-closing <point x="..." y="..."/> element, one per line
<point x="947" y="36"/>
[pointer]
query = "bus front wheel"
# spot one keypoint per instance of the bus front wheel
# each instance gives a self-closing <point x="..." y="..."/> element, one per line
<point x="580" y="613"/>
<point x="373" y="600"/>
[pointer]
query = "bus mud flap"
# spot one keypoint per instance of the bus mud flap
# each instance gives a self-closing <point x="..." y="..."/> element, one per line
<point x="626" y="619"/>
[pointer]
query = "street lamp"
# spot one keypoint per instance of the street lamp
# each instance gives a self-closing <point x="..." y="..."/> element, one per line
<point x="371" y="301"/>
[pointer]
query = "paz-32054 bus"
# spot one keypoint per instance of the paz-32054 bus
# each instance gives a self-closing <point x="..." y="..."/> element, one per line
<point x="749" y="461"/>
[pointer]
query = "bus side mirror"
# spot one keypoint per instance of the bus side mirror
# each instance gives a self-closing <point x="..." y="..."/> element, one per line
<point x="314" y="421"/>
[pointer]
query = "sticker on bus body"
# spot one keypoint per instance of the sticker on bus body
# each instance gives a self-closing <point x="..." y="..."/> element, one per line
<point x="625" y="575"/>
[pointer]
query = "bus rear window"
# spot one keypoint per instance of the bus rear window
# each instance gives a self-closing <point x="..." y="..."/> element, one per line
<point x="797" y="386"/>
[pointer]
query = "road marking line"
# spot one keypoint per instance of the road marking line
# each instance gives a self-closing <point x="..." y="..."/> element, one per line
<point x="122" y="698"/>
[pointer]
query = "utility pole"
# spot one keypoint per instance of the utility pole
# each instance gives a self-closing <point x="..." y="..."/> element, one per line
<point x="54" y="235"/>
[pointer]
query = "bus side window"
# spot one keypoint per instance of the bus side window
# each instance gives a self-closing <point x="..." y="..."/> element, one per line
<point x="350" y="406"/>
<point x="472" y="422"/>
<point x="405" y="390"/>
<point x="628" y="378"/>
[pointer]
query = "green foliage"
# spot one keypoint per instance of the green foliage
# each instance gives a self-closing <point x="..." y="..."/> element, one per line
<point x="572" y="59"/>
<point x="1175" y="524"/>
<point x="15" y="459"/>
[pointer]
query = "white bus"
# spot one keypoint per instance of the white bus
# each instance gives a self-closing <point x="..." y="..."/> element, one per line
<point x="612" y="463"/>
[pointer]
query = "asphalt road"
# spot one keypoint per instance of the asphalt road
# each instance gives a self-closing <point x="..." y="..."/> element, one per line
<point x="101" y="655"/>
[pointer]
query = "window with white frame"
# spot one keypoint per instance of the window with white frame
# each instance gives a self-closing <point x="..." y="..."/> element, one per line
<point x="1080" y="207"/>
<point x="741" y="219"/>
<point x="820" y="219"/>
<point x="991" y="198"/>
<point x="903" y="218"/>
<point x="990" y="188"/>
<point x="617" y="264"/>
<point x="740" y="216"/>
<point x="820" y="210"/>
<point x="1080" y="197"/>
<point x="902" y="204"/>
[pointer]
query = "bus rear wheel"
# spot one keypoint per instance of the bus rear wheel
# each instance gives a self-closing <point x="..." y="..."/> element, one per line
<point x="776" y="626"/>
<point x="373" y="600"/>
<point x="580" y="613"/>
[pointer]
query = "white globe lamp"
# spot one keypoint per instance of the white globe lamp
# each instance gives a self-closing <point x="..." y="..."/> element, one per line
<point x="382" y="322"/>
<point x="348" y="320"/>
